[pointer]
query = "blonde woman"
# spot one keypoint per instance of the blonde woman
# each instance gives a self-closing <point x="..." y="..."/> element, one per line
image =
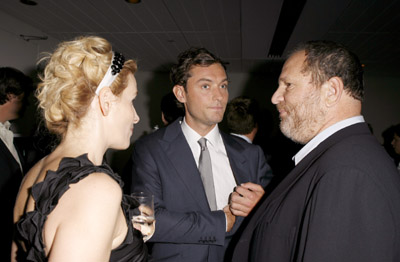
<point x="70" y="206"/>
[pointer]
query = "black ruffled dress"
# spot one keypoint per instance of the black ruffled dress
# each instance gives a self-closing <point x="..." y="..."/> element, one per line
<point x="47" y="193"/>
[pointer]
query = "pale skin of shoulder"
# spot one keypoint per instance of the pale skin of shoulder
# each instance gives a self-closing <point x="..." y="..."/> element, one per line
<point x="85" y="220"/>
<point x="88" y="222"/>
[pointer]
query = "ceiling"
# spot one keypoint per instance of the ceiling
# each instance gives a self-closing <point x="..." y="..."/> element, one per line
<point x="252" y="35"/>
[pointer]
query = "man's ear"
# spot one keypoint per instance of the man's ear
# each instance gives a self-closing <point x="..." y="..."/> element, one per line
<point x="106" y="98"/>
<point x="179" y="92"/>
<point x="332" y="91"/>
<point x="10" y="97"/>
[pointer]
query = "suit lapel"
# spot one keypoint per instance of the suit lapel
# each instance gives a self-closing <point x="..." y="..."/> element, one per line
<point x="260" y="213"/>
<point x="238" y="162"/>
<point x="179" y="153"/>
<point x="4" y="150"/>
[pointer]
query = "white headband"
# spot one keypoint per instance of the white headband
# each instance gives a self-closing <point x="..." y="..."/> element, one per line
<point x="117" y="62"/>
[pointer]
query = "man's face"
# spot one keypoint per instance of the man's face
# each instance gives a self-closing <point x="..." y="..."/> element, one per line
<point x="396" y="144"/>
<point x="298" y="101"/>
<point x="205" y="97"/>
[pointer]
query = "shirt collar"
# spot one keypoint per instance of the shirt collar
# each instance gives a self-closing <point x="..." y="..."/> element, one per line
<point x="5" y="125"/>
<point x="313" y="143"/>
<point x="192" y="136"/>
<point x="243" y="137"/>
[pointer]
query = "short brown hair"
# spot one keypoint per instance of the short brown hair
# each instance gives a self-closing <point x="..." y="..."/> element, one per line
<point x="242" y="115"/>
<point x="194" y="56"/>
<point x="327" y="59"/>
<point x="13" y="81"/>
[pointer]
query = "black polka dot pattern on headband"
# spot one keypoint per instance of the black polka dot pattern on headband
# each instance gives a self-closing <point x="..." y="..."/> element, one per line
<point x="117" y="63"/>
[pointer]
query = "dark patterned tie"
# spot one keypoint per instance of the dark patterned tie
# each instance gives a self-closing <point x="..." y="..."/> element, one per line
<point x="206" y="173"/>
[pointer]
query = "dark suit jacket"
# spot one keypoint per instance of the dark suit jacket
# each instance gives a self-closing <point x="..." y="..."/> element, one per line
<point x="340" y="203"/>
<point x="10" y="179"/>
<point x="186" y="229"/>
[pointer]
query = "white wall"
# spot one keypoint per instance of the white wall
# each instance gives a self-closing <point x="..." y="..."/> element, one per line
<point x="23" y="55"/>
<point x="16" y="52"/>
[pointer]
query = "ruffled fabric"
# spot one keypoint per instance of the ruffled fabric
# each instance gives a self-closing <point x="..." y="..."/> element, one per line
<point x="47" y="194"/>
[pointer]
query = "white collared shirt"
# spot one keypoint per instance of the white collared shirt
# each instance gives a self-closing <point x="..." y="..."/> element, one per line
<point x="7" y="136"/>
<point x="313" y="143"/>
<point x="224" y="181"/>
<point x="243" y="137"/>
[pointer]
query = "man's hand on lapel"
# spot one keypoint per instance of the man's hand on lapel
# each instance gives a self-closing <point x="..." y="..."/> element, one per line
<point x="244" y="198"/>
<point x="230" y="218"/>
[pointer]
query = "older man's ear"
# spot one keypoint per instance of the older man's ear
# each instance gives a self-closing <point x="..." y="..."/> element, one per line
<point x="332" y="91"/>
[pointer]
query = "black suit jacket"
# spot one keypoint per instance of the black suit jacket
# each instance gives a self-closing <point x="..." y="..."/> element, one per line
<point x="186" y="228"/>
<point x="10" y="180"/>
<point x="340" y="203"/>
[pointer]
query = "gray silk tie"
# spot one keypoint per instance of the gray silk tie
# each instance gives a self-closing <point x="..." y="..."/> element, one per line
<point x="206" y="173"/>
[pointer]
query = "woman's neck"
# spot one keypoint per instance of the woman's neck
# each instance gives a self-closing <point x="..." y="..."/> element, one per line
<point x="78" y="141"/>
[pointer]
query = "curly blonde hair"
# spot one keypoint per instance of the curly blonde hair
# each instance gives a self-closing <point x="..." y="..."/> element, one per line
<point x="71" y="77"/>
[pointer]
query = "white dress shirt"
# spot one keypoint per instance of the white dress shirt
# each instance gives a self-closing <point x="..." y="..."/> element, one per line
<point x="224" y="181"/>
<point x="313" y="143"/>
<point x="7" y="136"/>
<point x="243" y="137"/>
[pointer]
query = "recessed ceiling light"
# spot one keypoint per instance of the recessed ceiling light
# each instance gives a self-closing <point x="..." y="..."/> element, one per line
<point x="28" y="2"/>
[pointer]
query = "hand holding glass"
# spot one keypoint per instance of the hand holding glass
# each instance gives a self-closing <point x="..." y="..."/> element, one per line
<point x="144" y="220"/>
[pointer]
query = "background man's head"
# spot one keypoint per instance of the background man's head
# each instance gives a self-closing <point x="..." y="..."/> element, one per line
<point x="15" y="87"/>
<point x="242" y="115"/>
<point x="396" y="139"/>
<point x="171" y="108"/>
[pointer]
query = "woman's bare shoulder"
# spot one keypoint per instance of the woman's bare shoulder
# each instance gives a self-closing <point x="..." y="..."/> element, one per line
<point x="98" y="184"/>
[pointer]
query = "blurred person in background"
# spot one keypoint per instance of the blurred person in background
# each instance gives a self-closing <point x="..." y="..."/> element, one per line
<point x="396" y="145"/>
<point x="171" y="109"/>
<point x="242" y="115"/>
<point x="15" y="87"/>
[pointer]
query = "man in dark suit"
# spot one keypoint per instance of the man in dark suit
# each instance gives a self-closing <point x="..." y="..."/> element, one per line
<point x="342" y="200"/>
<point x="14" y="88"/>
<point x="189" y="225"/>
